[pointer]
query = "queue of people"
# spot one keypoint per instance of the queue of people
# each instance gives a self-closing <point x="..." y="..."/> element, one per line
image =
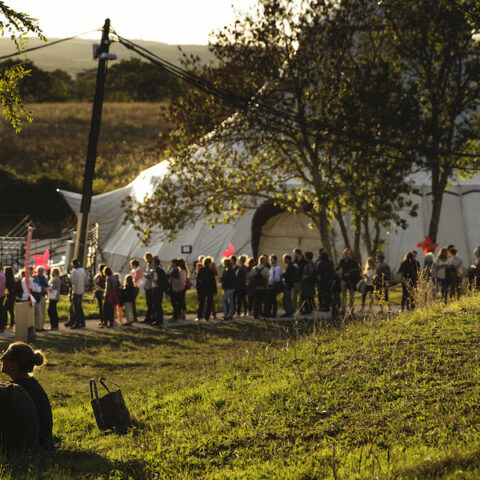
<point x="250" y="286"/>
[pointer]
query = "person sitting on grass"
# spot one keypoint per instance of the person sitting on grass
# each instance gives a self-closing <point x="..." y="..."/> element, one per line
<point x="18" y="362"/>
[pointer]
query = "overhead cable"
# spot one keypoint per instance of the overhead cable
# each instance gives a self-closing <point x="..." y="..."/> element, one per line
<point x="45" y="45"/>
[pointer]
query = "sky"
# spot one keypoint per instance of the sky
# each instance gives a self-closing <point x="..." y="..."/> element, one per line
<point x="168" y="21"/>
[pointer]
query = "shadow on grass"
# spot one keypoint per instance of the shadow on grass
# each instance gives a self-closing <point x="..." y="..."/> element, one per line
<point x="439" y="468"/>
<point x="73" y="464"/>
<point x="181" y="339"/>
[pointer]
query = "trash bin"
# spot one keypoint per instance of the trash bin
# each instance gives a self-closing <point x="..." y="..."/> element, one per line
<point x="24" y="322"/>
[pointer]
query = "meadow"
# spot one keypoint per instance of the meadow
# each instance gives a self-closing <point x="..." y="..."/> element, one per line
<point x="50" y="153"/>
<point x="378" y="398"/>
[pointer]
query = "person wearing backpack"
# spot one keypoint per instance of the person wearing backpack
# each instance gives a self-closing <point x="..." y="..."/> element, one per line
<point x="350" y="278"/>
<point x="309" y="279"/>
<point x="228" y="285"/>
<point x="299" y="263"/>
<point x="382" y="278"/>
<point x="260" y="279"/>
<point x="289" y="277"/>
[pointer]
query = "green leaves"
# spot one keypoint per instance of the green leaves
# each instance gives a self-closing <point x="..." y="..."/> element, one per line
<point x="17" y="25"/>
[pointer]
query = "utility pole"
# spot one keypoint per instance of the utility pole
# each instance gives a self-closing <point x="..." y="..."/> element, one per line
<point x="100" y="52"/>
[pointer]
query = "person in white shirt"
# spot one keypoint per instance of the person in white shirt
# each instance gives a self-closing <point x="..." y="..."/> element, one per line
<point x="79" y="280"/>
<point x="274" y="286"/>
<point x="439" y="272"/>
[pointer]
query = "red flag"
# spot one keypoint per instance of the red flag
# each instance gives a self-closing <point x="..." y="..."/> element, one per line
<point x="42" y="260"/>
<point x="427" y="245"/>
<point x="229" y="252"/>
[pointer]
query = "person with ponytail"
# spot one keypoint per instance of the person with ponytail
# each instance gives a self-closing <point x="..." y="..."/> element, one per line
<point x="18" y="362"/>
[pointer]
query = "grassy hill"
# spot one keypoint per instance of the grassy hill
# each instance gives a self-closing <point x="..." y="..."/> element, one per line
<point x="374" y="399"/>
<point x="50" y="153"/>
<point x="75" y="56"/>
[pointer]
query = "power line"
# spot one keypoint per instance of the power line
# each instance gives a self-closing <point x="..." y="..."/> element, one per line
<point x="48" y="44"/>
<point x="274" y="115"/>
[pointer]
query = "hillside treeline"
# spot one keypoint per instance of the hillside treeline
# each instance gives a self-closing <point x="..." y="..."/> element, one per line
<point x="127" y="81"/>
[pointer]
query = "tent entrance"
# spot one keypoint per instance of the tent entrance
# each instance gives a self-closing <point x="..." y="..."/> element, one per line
<point x="276" y="231"/>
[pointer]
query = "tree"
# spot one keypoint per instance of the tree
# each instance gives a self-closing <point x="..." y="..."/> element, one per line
<point x="440" y="69"/>
<point x="301" y="66"/>
<point x="17" y="25"/>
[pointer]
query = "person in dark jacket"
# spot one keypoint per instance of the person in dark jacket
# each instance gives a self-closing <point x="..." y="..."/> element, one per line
<point x="259" y="279"/>
<point x="409" y="272"/>
<point x="159" y="287"/>
<point x="228" y="285"/>
<point x="289" y="277"/>
<point x="127" y="297"/>
<point x="112" y="297"/>
<point x="241" y="286"/>
<point x="350" y="277"/>
<point x="309" y="278"/>
<point x="10" y="285"/>
<point x="18" y="362"/>
<point x="299" y="262"/>
<point x="206" y="289"/>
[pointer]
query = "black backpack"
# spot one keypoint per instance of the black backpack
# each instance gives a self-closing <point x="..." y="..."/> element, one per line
<point x="258" y="279"/>
<point x="65" y="284"/>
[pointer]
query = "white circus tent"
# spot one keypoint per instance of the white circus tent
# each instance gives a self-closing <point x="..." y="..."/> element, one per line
<point x="268" y="230"/>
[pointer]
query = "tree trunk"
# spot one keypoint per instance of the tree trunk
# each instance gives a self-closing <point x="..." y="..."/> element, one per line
<point x="324" y="229"/>
<point x="368" y="240"/>
<point x="356" y="245"/>
<point x="343" y="227"/>
<point x="439" y="183"/>
<point x="376" y="242"/>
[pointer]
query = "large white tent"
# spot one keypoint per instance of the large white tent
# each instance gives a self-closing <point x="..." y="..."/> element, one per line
<point x="273" y="231"/>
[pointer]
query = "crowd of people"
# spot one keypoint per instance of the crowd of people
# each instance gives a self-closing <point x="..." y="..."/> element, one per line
<point x="252" y="287"/>
<point x="249" y="286"/>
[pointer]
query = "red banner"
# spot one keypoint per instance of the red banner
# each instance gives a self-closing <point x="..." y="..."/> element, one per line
<point x="27" y="258"/>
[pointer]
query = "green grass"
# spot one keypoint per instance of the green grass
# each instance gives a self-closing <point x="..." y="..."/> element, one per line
<point x="383" y="398"/>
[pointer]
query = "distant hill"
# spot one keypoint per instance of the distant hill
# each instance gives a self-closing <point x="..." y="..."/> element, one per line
<point x="75" y="56"/>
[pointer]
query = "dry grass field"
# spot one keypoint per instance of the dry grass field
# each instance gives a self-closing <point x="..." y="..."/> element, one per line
<point x="50" y="153"/>
<point x="54" y="145"/>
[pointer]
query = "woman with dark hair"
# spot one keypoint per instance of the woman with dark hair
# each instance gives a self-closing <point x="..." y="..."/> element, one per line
<point x="206" y="287"/>
<point x="53" y="298"/>
<point x="187" y="284"/>
<point x="10" y="301"/>
<point x="251" y="262"/>
<point x="228" y="285"/>
<point x="99" y="290"/>
<point x="111" y="297"/>
<point x="18" y="362"/>
<point x="409" y="272"/>
<point x="176" y="278"/>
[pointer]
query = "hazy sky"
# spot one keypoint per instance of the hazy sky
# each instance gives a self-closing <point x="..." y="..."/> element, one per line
<point x="169" y="21"/>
